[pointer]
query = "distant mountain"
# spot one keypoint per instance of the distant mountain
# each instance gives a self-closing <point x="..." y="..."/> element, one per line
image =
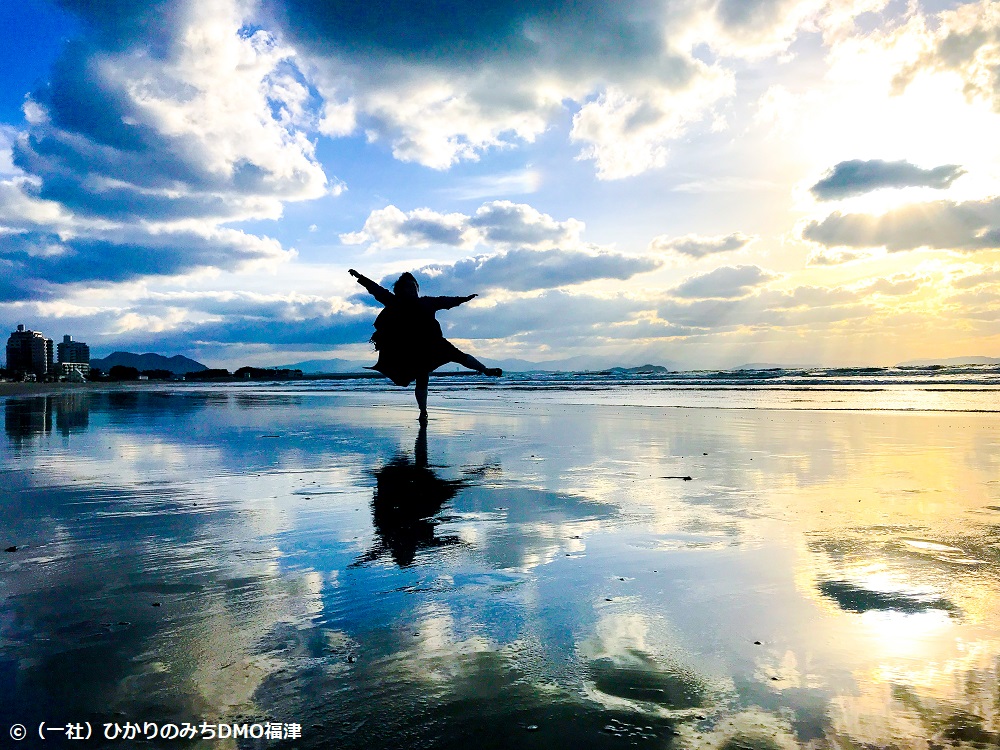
<point x="313" y="366"/>
<point x="974" y="360"/>
<point x="572" y="364"/>
<point x="177" y="364"/>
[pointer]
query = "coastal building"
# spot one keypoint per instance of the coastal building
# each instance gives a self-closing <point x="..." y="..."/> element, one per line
<point x="73" y="358"/>
<point x="29" y="354"/>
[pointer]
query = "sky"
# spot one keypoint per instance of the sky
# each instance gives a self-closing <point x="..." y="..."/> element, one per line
<point x="697" y="183"/>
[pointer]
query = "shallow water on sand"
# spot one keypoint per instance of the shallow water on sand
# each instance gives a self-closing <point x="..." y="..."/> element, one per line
<point x="526" y="573"/>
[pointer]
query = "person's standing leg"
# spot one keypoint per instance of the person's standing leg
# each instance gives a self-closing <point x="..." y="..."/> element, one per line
<point x="420" y="391"/>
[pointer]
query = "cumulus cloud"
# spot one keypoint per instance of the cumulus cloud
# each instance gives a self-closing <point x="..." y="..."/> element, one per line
<point x="180" y="320"/>
<point x="498" y="223"/>
<point x="169" y="120"/>
<point x="898" y="285"/>
<point x="824" y="257"/>
<point x="390" y="227"/>
<point x="989" y="275"/>
<point x="856" y="177"/>
<point x="39" y="263"/>
<point x="946" y="225"/>
<point x="722" y="283"/>
<point x="451" y="81"/>
<point x="626" y="134"/>
<point x="696" y="246"/>
<point x="527" y="270"/>
<point x="321" y="331"/>
<point x="965" y="41"/>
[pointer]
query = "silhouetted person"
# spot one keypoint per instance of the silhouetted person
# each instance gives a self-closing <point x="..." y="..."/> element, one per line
<point x="407" y="497"/>
<point x="409" y="340"/>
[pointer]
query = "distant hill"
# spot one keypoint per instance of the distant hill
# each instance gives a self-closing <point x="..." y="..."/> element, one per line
<point x="573" y="364"/>
<point x="640" y="370"/>
<point x="973" y="360"/>
<point x="313" y="366"/>
<point x="177" y="364"/>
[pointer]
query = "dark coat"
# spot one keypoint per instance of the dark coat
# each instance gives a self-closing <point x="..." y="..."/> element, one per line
<point x="408" y="338"/>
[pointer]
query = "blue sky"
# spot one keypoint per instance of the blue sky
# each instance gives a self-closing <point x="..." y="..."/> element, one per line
<point x="698" y="182"/>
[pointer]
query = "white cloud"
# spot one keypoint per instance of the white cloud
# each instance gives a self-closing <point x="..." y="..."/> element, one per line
<point x="988" y="275"/>
<point x="945" y="225"/>
<point x="964" y="41"/>
<point x="627" y="134"/>
<point x="448" y="83"/>
<point x="145" y="147"/>
<point x="390" y="227"/>
<point x="497" y="223"/>
<point x="519" y="182"/>
<point x="7" y="137"/>
<point x="697" y="246"/>
<point x="724" y="282"/>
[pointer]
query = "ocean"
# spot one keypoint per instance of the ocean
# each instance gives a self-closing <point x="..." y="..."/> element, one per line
<point x="933" y="388"/>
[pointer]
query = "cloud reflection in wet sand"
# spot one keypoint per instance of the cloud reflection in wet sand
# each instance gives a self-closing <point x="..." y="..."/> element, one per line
<point x="521" y="575"/>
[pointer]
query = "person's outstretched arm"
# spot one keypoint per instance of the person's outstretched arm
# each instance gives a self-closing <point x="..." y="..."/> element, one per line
<point x="380" y="293"/>
<point x="446" y="303"/>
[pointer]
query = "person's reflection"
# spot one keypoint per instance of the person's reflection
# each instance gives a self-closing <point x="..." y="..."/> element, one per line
<point x="408" y="495"/>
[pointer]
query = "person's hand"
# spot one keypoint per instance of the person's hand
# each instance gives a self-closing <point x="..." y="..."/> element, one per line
<point x="354" y="273"/>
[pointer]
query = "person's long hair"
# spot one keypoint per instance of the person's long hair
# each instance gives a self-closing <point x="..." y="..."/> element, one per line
<point x="405" y="278"/>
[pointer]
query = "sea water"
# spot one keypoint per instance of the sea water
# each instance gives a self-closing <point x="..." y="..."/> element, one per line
<point x="770" y="559"/>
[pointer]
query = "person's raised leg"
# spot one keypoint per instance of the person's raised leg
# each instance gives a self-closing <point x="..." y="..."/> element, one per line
<point x="420" y="391"/>
<point x="467" y="360"/>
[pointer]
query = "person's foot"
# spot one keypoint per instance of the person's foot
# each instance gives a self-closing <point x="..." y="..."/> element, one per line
<point x="493" y="372"/>
<point x="422" y="418"/>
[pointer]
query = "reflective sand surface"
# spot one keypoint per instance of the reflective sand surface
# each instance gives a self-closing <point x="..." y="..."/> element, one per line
<point x="525" y="574"/>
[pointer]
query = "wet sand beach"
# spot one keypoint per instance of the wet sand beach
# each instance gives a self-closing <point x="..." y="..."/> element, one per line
<point x="528" y="572"/>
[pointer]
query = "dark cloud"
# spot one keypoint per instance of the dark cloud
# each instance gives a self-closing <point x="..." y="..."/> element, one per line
<point x="746" y="15"/>
<point x="698" y="247"/>
<point x="725" y="282"/>
<point x="527" y="270"/>
<point x="857" y="177"/>
<point x="443" y="33"/>
<point x="275" y="323"/>
<point x="946" y="225"/>
<point x="41" y="263"/>
<point x="443" y="82"/>
<point x="420" y="230"/>
<point x="100" y="151"/>
<point x="321" y="331"/>
<point x="853" y="598"/>
<point x="119" y="24"/>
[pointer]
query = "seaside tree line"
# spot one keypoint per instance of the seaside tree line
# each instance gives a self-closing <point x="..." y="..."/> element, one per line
<point x="120" y="373"/>
<point x="123" y="373"/>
